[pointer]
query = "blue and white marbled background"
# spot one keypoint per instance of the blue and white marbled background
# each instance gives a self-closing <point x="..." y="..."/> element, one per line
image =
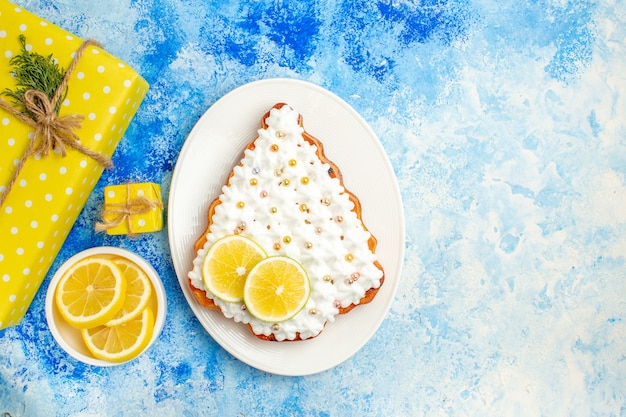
<point x="506" y="125"/>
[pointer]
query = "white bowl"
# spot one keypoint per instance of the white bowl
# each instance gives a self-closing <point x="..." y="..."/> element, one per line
<point x="68" y="337"/>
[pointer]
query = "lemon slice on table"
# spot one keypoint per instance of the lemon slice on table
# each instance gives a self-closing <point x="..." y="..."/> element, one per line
<point x="138" y="291"/>
<point x="227" y="264"/>
<point x="122" y="342"/>
<point x="276" y="289"/>
<point x="91" y="292"/>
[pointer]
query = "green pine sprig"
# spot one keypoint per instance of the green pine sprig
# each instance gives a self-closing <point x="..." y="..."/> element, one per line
<point x="33" y="71"/>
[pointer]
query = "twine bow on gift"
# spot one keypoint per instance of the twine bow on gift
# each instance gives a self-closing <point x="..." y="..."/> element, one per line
<point x="115" y="214"/>
<point x="50" y="131"/>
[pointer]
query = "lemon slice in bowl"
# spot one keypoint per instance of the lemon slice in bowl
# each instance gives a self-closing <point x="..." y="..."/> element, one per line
<point x="138" y="291"/>
<point x="276" y="289"/>
<point x="122" y="342"/>
<point x="91" y="292"/>
<point x="227" y="264"/>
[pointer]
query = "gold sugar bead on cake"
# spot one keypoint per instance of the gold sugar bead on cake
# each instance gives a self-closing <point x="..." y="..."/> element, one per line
<point x="273" y="210"/>
<point x="275" y="327"/>
<point x="304" y="180"/>
<point x="313" y="311"/>
<point x="328" y="278"/>
<point x="285" y="182"/>
<point x="253" y="181"/>
<point x="240" y="228"/>
<point x="287" y="239"/>
<point x="276" y="246"/>
<point x="326" y="201"/>
<point x="293" y="162"/>
<point x="274" y="148"/>
<point x="278" y="172"/>
<point x="339" y="219"/>
<point x="303" y="207"/>
<point x="318" y="230"/>
<point x="241" y="204"/>
<point x="280" y="134"/>
<point x="308" y="245"/>
<point x="349" y="257"/>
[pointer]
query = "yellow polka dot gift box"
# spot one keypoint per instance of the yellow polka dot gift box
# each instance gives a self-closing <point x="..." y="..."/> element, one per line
<point x="52" y="154"/>
<point x="131" y="209"/>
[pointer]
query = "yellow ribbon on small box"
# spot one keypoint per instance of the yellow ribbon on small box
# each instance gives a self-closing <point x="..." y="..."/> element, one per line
<point x="50" y="163"/>
<point x="132" y="209"/>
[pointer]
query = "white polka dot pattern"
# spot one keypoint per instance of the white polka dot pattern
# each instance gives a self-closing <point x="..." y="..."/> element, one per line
<point x="49" y="194"/>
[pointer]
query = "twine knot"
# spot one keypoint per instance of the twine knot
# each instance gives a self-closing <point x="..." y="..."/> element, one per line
<point x="51" y="130"/>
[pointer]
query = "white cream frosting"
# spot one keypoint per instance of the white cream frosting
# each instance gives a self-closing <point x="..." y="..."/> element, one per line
<point x="281" y="189"/>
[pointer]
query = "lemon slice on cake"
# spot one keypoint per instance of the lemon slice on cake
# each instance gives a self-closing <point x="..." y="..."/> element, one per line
<point x="276" y="289"/>
<point x="227" y="264"/>
<point x="91" y="292"/>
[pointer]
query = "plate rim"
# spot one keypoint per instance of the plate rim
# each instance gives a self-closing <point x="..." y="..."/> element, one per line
<point x="384" y="158"/>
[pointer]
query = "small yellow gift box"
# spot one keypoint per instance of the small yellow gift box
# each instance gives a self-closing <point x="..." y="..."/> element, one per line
<point x="43" y="201"/>
<point x="132" y="209"/>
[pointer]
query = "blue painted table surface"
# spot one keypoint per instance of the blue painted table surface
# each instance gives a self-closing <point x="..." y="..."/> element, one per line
<point x="505" y="123"/>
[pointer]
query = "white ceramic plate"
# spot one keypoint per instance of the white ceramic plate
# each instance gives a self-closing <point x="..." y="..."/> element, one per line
<point x="68" y="337"/>
<point x="215" y="145"/>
